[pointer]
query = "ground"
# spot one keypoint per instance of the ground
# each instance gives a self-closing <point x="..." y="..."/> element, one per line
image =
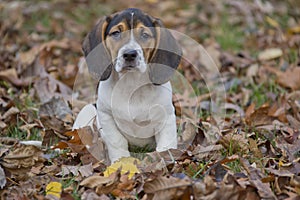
<point x="236" y="94"/>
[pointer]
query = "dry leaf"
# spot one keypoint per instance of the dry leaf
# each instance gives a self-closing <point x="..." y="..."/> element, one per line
<point x="255" y="176"/>
<point x="294" y="30"/>
<point x="259" y="116"/>
<point x="103" y="185"/>
<point x="2" y="178"/>
<point x="127" y="164"/>
<point x="28" y="57"/>
<point x="254" y="148"/>
<point x="211" y="151"/>
<point x="54" y="189"/>
<point x="124" y="188"/>
<point x="272" y="22"/>
<point x="90" y="194"/>
<point x="22" y="156"/>
<point x="11" y="76"/>
<point x="167" y="188"/>
<point x="84" y="170"/>
<point x="270" y="54"/>
<point x="10" y="112"/>
<point x="236" y="143"/>
<point x="290" y="78"/>
<point x="94" y="181"/>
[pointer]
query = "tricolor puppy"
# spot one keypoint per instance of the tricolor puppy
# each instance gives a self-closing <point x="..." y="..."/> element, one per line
<point x="134" y="57"/>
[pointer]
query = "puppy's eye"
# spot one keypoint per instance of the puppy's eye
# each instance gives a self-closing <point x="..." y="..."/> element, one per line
<point x="145" y="36"/>
<point x="116" y="34"/>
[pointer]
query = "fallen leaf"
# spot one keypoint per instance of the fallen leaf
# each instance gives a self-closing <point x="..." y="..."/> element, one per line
<point x="270" y="54"/>
<point x="28" y="57"/>
<point x="56" y="115"/>
<point x="11" y="76"/>
<point x="259" y="116"/>
<point x="2" y="178"/>
<point x="22" y="156"/>
<point x="252" y="70"/>
<point x="94" y="181"/>
<point x="84" y="170"/>
<point x="90" y="194"/>
<point x="57" y="107"/>
<point x="255" y="176"/>
<point x="167" y="187"/>
<point x="294" y="30"/>
<point x="10" y="112"/>
<point x="54" y="189"/>
<point x="236" y="143"/>
<point x="254" y="148"/>
<point x="102" y="185"/>
<point x="47" y="86"/>
<point x="124" y="188"/>
<point x="211" y="151"/>
<point x="290" y="78"/>
<point x="127" y="164"/>
<point x="272" y="22"/>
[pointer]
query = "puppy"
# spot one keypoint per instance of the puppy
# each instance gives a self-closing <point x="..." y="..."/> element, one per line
<point x="133" y="57"/>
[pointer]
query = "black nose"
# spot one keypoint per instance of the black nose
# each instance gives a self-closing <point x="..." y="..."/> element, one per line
<point x="130" y="55"/>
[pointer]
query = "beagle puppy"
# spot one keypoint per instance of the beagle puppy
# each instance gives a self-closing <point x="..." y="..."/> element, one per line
<point x="133" y="56"/>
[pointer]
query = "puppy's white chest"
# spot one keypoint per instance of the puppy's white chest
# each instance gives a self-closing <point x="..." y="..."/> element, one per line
<point x="138" y="108"/>
<point x="138" y="112"/>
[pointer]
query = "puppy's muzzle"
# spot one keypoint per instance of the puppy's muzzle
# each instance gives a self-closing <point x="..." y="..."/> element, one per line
<point x="130" y="55"/>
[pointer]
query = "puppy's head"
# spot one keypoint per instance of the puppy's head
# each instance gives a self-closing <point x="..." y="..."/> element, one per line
<point x="131" y="40"/>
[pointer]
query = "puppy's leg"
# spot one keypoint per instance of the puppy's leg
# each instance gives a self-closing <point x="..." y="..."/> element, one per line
<point x="85" y="117"/>
<point x="167" y="137"/>
<point x="116" y="143"/>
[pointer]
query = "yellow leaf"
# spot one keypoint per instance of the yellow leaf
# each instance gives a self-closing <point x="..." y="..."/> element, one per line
<point x="54" y="188"/>
<point x="272" y="22"/>
<point x="294" y="30"/>
<point x="152" y="1"/>
<point x="280" y="163"/>
<point x="127" y="164"/>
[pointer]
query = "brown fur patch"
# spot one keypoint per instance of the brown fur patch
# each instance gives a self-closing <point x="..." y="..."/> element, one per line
<point x="113" y="45"/>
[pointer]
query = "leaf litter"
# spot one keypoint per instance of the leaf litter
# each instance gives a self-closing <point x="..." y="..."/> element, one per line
<point x="252" y="153"/>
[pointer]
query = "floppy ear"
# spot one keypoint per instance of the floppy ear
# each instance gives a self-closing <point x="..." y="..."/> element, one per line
<point x="166" y="57"/>
<point x="97" y="57"/>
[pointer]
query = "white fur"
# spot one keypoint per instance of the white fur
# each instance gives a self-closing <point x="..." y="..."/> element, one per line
<point x="133" y="110"/>
<point x="85" y="117"/>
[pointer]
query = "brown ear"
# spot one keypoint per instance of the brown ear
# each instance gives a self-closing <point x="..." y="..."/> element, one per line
<point x="166" y="57"/>
<point x="97" y="57"/>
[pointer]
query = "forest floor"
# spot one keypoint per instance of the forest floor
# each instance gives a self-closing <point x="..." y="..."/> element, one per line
<point x="236" y="94"/>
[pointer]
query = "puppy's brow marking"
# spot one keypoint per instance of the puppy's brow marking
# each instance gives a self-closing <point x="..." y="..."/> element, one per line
<point x="131" y="23"/>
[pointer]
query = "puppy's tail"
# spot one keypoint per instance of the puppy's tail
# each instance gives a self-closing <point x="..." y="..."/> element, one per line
<point x="86" y="117"/>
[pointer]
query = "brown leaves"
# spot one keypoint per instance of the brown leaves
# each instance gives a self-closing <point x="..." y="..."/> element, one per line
<point x="289" y="78"/>
<point x="22" y="156"/>
<point x="259" y="116"/>
<point x="167" y="188"/>
<point x="28" y="57"/>
<point x="19" y="159"/>
<point x="116" y="184"/>
<point x="11" y="76"/>
<point x="255" y="176"/>
<point x="250" y="48"/>
<point x="56" y="115"/>
<point x="281" y="110"/>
